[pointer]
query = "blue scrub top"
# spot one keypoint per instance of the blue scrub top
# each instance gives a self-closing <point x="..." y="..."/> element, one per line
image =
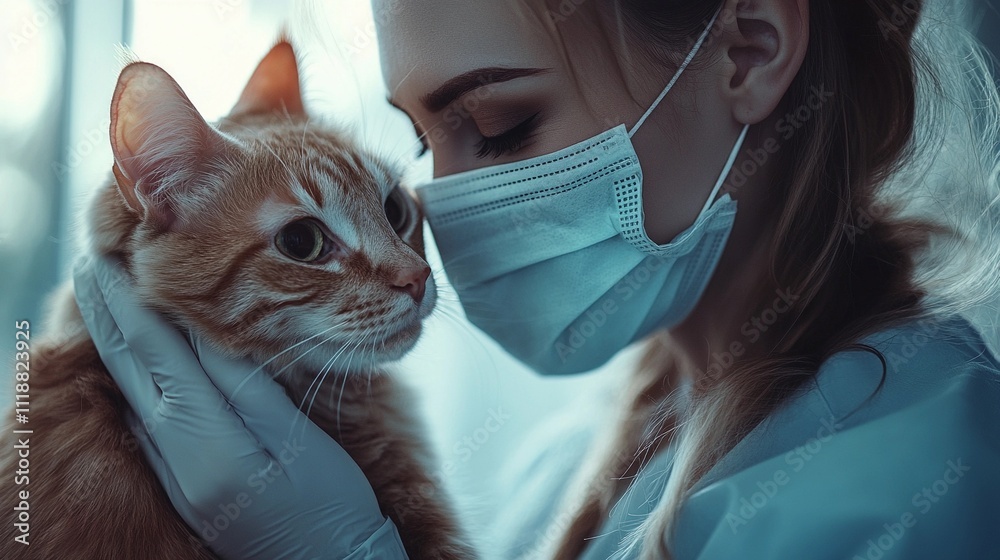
<point x="839" y="471"/>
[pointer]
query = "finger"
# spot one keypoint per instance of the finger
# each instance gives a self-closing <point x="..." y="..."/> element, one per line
<point x="159" y="466"/>
<point x="303" y="456"/>
<point x="132" y="378"/>
<point x="196" y="430"/>
<point x="156" y="343"/>
<point x="266" y="409"/>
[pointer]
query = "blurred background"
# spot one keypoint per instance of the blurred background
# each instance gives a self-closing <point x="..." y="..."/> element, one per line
<point x="58" y="63"/>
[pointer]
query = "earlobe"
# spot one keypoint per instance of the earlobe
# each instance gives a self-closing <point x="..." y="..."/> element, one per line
<point x="771" y="38"/>
<point x="274" y="85"/>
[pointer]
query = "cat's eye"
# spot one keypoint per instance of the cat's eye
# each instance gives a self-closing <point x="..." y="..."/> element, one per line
<point x="396" y="211"/>
<point x="302" y="240"/>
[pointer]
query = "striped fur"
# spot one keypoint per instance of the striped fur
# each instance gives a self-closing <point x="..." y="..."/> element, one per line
<point x="198" y="239"/>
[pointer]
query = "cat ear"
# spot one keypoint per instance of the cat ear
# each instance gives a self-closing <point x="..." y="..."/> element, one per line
<point x="161" y="144"/>
<point x="274" y="85"/>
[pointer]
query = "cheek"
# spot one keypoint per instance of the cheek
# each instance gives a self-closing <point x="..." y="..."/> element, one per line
<point x="274" y="315"/>
<point x="569" y="122"/>
<point x="214" y="284"/>
<point x="178" y="272"/>
<point x="300" y="293"/>
<point x="305" y="323"/>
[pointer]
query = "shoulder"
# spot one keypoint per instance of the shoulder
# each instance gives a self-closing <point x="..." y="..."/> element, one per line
<point x="925" y="363"/>
<point x="906" y="469"/>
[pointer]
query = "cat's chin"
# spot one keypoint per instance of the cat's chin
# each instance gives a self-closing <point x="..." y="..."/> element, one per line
<point x="388" y="348"/>
<point x="396" y="345"/>
<point x="332" y="357"/>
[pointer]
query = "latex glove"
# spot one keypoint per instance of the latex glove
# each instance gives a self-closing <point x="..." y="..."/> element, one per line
<point x="218" y="432"/>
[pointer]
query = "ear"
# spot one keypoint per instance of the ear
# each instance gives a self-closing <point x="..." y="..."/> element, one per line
<point x="161" y="144"/>
<point x="274" y="85"/>
<point x="765" y="44"/>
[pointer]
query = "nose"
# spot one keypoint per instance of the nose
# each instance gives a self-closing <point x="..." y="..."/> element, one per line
<point x="412" y="280"/>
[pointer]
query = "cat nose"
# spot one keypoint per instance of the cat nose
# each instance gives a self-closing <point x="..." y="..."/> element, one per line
<point x="412" y="280"/>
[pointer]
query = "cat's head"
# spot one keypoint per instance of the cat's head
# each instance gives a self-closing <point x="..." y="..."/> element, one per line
<point x="265" y="232"/>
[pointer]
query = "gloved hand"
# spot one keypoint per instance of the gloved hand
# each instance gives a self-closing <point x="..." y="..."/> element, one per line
<point x="219" y="434"/>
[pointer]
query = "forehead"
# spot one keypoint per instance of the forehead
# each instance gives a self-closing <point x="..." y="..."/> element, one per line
<point x="423" y="43"/>
<point x="323" y="164"/>
<point x="298" y="172"/>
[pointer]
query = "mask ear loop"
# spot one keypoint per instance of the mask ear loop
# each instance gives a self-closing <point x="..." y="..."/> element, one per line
<point x="725" y="170"/>
<point x="739" y="142"/>
<point x="677" y="75"/>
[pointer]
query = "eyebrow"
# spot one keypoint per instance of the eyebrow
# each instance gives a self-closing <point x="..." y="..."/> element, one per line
<point x="462" y="84"/>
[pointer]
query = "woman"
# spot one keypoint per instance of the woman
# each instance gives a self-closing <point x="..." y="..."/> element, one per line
<point x="793" y="246"/>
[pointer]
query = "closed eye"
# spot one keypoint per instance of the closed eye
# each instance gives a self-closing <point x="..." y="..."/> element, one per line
<point x="509" y="142"/>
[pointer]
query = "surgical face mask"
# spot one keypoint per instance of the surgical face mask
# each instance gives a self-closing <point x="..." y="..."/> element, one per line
<point x="550" y="257"/>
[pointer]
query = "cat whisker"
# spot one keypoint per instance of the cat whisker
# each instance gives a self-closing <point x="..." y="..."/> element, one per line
<point x="279" y="354"/>
<point x="305" y="129"/>
<point x="319" y="387"/>
<point x="449" y="298"/>
<point x="373" y="364"/>
<point x="369" y="360"/>
<point x="349" y="348"/>
<point x="374" y="351"/>
<point x="438" y="271"/>
<point x="319" y="376"/>
<point x="492" y="311"/>
<point x="328" y="364"/>
<point x="463" y="325"/>
<point x="291" y="174"/>
<point x="343" y="386"/>
<point x="402" y="81"/>
<point x="290" y="364"/>
<point x="330" y="400"/>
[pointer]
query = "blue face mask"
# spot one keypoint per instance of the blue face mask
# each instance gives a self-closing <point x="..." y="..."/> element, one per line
<point x="550" y="257"/>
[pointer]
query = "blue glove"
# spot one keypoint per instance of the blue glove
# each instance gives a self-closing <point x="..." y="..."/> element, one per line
<point x="242" y="465"/>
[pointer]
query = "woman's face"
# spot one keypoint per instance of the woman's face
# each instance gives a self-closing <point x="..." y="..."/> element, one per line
<point x="482" y="81"/>
<point x="506" y="80"/>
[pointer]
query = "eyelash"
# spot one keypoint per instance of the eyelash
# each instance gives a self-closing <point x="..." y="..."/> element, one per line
<point x="508" y="142"/>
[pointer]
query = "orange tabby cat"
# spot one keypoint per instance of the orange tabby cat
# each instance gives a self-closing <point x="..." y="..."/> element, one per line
<point x="257" y="233"/>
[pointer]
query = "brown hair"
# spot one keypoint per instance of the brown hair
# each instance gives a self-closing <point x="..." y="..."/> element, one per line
<point x="849" y="257"/>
